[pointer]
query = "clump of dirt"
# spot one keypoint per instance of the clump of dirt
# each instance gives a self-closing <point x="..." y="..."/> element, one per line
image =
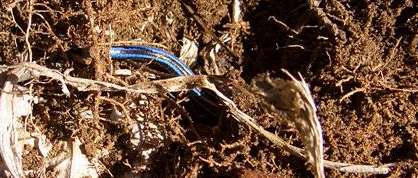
<point x="359" y="57"/>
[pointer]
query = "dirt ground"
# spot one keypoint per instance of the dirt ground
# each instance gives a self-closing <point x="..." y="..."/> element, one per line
<point x="359" y="57"/>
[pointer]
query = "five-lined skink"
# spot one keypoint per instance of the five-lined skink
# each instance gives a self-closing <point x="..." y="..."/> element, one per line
<point x="156" y="55"/>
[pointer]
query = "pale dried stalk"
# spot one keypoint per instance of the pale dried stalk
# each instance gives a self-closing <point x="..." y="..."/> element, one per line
<point x="169" y="85"/>
<point x="308" y="123"/>
<point x="236" y="11"/>
<point x="294" y="98"/>
<point x="8" y="139"/>
<point x="187" y="83"/>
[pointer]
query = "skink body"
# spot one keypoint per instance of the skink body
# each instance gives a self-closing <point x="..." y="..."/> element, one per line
<point x="156" y="55"/>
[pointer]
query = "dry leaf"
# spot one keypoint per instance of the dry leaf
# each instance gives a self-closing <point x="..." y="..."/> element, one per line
<point x="44" y="146"/>
<point x="77" y="165"/>
<point x="188" y="52"/>
<point x="12" y="106"/>
<point x="294" y="99"/>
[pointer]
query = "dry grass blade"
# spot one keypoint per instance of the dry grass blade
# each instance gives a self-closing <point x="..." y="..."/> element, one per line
<point x="122" y="43"/>
<point x="294" y="99"/>
<point x="236" y="11"/>
<point x="353" y="168"/>
<point x="308" y="124"/>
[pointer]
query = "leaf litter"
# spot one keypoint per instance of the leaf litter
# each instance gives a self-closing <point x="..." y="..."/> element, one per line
<point x="314" y="39"/>
<point x="299" y="109"/>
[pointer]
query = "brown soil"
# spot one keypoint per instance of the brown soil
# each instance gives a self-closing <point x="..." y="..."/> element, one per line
<point x="362" y="70"/>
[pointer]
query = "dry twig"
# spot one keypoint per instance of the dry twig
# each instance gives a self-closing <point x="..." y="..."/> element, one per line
<point x="351" y="93"/>
<point x="27" y="34"/>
